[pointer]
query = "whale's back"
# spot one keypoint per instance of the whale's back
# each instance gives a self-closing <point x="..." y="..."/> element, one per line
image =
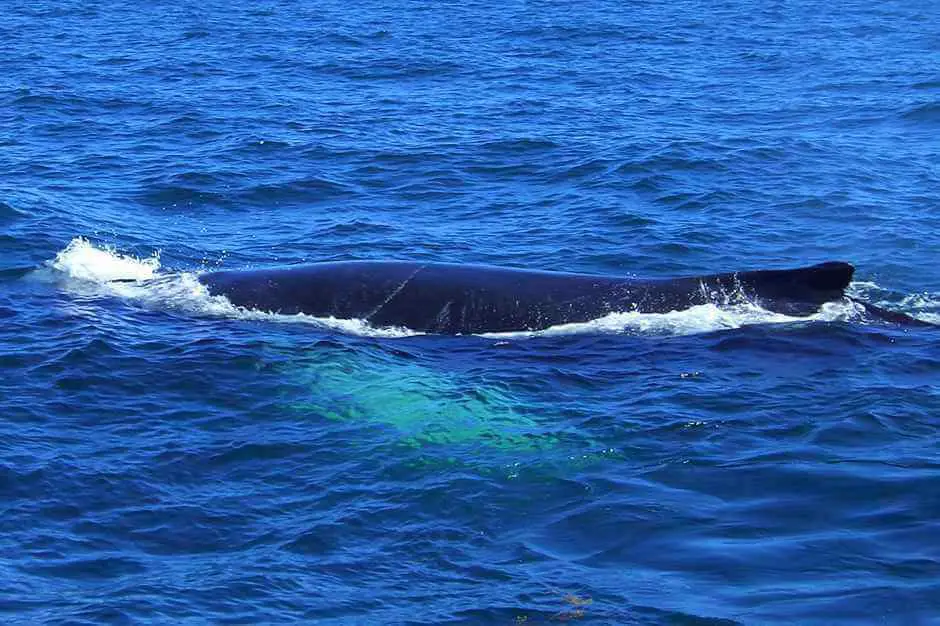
<point x="451" y="298"/>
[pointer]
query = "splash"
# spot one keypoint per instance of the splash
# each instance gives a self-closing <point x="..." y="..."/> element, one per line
<point x="83" y="261"/>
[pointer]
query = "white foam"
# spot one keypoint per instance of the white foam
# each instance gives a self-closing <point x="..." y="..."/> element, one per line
<point x="924" y="306"/>
<point x="82" y="260"/>
<point x="921" y="301"/>
<point x="863" y="289"/>
<point x="697" y="319"/>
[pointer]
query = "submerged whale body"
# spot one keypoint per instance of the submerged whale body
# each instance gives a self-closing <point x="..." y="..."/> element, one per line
<point x="463" y="299"/>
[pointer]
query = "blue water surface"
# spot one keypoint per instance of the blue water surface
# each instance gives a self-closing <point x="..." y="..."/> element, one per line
<point x="165" y="459"/>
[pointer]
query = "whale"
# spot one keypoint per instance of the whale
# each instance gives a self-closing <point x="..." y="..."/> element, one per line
<point x="455" y="299"/>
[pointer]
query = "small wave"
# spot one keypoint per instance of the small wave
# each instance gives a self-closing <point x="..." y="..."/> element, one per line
<point x="306" y="190"/>
<point x="171" y="195"/>
<point x="392" y="69"/>
<point x="929" y="112"/>
<point x="358" y="227"/>
<point x="927" y="84"/>
<point x="197" y="33"/>
<point x="520" y="145"/>
<point x="9" y="213"/>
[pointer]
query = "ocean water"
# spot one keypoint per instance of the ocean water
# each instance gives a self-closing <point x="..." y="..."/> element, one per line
<point x="168" y="458"/>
